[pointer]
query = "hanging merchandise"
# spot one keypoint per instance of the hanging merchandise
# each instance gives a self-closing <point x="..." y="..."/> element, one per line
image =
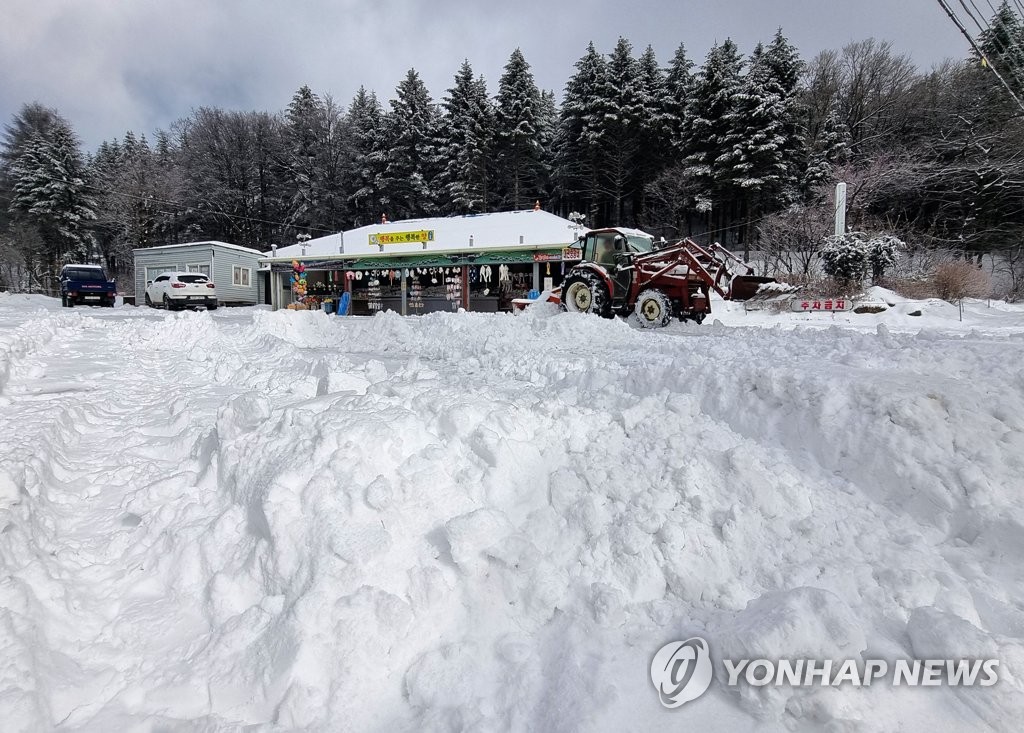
<point x="299" y="281"/>
<point x="485" y="273"/>
<point x="359" y="275"/>
<point x="504" y="273"/>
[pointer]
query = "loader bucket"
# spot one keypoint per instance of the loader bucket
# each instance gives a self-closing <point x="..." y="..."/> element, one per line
<point x="745" y="287"/>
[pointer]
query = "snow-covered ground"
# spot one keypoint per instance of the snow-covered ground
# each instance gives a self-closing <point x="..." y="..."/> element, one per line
<point x="478" y="522"/>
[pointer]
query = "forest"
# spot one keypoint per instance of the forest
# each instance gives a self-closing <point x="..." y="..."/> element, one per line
<point x="744" y="148"/>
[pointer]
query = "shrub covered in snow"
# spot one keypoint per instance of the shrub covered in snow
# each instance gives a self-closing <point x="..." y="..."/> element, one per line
<point x="845" y="257"/>
<point x="851" y="256"/>
<point x="883" y="253"/>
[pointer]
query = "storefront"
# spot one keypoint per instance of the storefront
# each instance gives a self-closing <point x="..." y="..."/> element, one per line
<point x="477" y="263"/>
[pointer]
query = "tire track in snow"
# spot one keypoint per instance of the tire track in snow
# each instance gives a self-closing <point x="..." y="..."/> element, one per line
<point x="111" y="469"/>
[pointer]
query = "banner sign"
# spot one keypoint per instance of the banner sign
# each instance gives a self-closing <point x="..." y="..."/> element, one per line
<point x="824" y="305"/>
<point x="423" y="235"/>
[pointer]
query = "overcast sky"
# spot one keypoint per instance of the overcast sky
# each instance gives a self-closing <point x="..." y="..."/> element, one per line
<point x="114" y="65"/>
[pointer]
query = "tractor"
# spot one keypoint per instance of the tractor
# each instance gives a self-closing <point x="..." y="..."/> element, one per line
<point x="624" y="272"/>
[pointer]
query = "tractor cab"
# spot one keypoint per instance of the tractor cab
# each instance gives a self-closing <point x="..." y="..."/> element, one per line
<point x="613" y="249"/>
<point x="610" y="247"/>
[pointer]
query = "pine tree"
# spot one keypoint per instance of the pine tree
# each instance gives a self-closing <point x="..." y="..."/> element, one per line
<point x="52" y="194"/>
<point x="704" y="133"/>
<point x="621" y="134"/>
<point x="303" y="134"/>
<point x="33" y="120"/>
<point x="464" y="179"/>
<point x="758" y="156"/>
<point x="655" y="127"/>
<point x="580" y="137"/>
<point x="547" y="129"/>
<point x="1002" y="42"/>
<point x="365" y="121"/>
<point x="831" y="149"/>
<point x="753" y="162"/>
<point x="785" y="68"/>
<point x="409" y="159"/>
<point x="678" y="88"/>
<point x="519" y="150"/>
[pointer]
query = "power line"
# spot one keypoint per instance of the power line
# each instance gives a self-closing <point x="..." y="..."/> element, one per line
<point x="981" y="54"/>
<point x="1006" y="60"/>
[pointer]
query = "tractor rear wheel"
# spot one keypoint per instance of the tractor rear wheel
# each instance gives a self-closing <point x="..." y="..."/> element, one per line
<point x="585" y="292"/>
<point x="653" y="309"/>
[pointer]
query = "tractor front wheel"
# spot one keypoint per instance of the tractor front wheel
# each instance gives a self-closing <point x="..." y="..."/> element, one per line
<point x="653" y="309"/>
<point x="585" y="292"/>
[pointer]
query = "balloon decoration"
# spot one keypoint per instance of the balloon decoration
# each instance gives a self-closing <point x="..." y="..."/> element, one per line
<point x="299" y="281"/>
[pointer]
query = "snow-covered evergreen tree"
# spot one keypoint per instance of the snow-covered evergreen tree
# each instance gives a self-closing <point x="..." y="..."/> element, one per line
<point x="621" y="134"/>
<point x="845" y="257"/>
<point x="831" y="149"/>
<point x="409" y="160"/>
<point x="678" y="88"/>
<point x="705" y="134"/>
<point x="656" y="127"/>
<point x="365" y="156"/>
<point x="580" y="137"/>
<point x="760" y="155"/>
<point x="1002" y="42"/>
<point x="547" y="129"/>
<point x="51" y="193"/>
<point x="518" y="147"/>
<point x="304" y="123"/>
<point x="464" y="178"/>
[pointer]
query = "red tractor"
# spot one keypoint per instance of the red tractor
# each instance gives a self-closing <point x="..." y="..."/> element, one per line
<point x="625" y="272"/>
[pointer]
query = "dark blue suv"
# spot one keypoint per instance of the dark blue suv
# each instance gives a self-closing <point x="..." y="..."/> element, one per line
<point x="86" y="285"/>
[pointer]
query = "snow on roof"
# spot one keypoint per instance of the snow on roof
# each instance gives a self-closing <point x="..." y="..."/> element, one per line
<point x="237" y="247"/>
<point x="632" y="232"/>
<point x="498" y="230"/>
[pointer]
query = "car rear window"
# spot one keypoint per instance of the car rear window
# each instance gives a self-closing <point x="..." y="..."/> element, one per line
<point x="192" y="278"/>
<point x="88" y="274"/>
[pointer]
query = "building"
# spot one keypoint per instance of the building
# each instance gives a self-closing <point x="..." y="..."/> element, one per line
<point x="478" y="262"/>
<point x="232" y="268"/>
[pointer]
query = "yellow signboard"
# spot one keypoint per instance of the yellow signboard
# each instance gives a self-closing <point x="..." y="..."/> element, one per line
<point x="423" y="235"/>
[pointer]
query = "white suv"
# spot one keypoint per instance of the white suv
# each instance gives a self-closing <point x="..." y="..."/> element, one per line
<point x="174" y="290"/>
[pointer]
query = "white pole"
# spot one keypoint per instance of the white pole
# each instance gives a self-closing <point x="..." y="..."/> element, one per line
<point x="840" y="209"/>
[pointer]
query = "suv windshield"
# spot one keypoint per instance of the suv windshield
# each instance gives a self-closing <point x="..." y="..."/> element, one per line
<point x="191" y="278"/>
<point x="88" y="274"/>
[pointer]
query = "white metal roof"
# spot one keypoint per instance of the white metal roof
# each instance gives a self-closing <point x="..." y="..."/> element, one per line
<point x="163" y="247"/>
<point x="498" y="230"/>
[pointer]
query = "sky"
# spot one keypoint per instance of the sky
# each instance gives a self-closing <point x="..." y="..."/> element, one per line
<point x="110" y="66"/>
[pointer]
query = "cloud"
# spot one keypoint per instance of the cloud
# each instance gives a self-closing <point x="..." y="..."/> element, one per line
<point x="114" y="65"/>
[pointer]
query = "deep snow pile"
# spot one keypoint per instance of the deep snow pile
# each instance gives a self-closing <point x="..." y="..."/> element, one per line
<point x="480" y="522"/>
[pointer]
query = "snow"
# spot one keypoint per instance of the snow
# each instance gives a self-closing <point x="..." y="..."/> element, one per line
<point x="226" y="245"/>
<point x="497" y="230"/>
<point x="466" y="521"/>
